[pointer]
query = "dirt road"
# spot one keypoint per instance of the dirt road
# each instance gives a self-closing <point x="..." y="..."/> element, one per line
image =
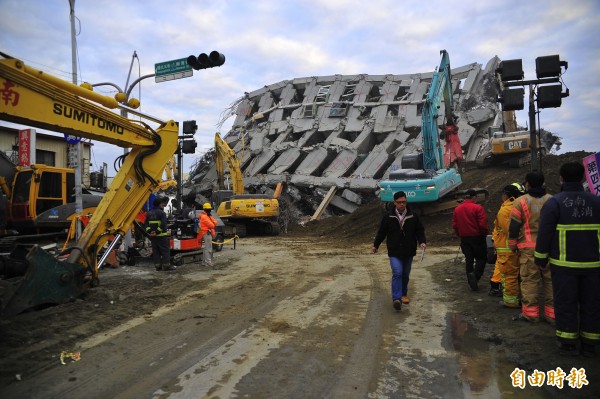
<point x="290" y="318"/>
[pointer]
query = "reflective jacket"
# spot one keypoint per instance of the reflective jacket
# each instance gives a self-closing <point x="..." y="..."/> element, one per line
<point x="207" y="223"/>
<point x="156" y="223"/>
<point x="525" y="218"/>
<point x="570" y="229"/>
<point x="500" y="232"/>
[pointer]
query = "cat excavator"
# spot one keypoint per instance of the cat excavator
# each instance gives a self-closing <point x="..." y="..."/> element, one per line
<point x="33" y="277"/>
<point x="507" y="144"/>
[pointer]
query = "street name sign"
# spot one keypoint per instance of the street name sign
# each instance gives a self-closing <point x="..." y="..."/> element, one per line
<point x="171" y="70"/>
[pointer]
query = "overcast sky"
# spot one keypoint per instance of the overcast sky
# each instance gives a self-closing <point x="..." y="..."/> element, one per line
<point x="268" y="41"/>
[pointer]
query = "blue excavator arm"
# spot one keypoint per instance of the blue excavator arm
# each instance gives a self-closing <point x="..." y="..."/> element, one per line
<point x="441" y="87"/>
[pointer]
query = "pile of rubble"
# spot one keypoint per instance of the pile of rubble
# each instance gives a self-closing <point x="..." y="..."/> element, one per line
<point x="342" y="131"/>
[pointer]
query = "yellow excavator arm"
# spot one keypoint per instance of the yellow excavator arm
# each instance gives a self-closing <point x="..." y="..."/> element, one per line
<point x="225" y="154"/>
<point x="34" y="98"/>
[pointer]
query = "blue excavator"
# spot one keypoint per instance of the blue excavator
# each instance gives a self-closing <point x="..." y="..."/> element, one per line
<point x="429" y="183"/>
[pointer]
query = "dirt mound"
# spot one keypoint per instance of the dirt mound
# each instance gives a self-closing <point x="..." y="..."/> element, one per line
<point x="360" y="226"/>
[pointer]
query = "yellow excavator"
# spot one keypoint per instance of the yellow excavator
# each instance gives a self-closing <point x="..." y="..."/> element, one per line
<point x="34" y="98"/>
<point x="247" y="213"/>
<point x="506" y="145"/>
<point x="35" y="195"/>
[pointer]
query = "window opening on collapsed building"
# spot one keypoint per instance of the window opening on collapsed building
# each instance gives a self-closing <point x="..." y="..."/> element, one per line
<point x="287" y="113"/>
<point x="275" y="95"/>
<point x="252" y="109"/>
<point x="348" y="94"/>
<point x="365" y="111"/>
<point x="338" y="110"/>
<point x="392" y="111"/>
<point x="402" y="94"/>
<point x="347" y="135"/>
<point x="298" y="94"/>
<point x="323" y="94"/>
<point x="426" y="92"/>
<point x="309" y="111"/>
<point x="375" y="93"/>
<point x="459" y="86"/>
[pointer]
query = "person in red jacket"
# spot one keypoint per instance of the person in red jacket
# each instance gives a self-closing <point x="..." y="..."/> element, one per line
<point x="469" y="222"/>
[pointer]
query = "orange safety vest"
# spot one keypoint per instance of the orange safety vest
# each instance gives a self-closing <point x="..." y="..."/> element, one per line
<point x="526" y="211"/>
<point x="207" y="222"/>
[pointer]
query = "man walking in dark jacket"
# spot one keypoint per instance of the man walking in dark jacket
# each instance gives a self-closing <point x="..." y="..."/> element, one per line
<point x="568" y="240"/>
<point x="404" y="231"/>
<point x="469" y="222"/>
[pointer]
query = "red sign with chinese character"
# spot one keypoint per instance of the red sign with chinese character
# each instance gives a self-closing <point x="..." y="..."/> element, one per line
<point x="25" y="147"/>
<point x="591" y="163"/>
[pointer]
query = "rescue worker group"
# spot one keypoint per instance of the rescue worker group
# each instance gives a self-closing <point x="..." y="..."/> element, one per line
<point x="545" y="250"/>
<point x="156" y="228"/>
<point x="547" y="255"/>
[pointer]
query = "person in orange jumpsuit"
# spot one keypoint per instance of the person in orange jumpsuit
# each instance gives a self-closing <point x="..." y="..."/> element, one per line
<point x="206" y="232"/>
<point x="522" y="236"/>
<point x="506" y="270"/>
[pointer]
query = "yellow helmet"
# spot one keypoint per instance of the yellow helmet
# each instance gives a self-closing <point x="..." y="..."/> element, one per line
<point x="513" y="190"/>
<point x="519" y="187"/>
<point x="206" y="206"/>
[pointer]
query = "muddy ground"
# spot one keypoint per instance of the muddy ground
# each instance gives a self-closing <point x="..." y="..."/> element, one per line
<point x="306" y="314"/>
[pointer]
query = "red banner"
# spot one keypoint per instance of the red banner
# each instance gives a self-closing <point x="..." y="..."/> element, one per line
<point x="25" y="147"/>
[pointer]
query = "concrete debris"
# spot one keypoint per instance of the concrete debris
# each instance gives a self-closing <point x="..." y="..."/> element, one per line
<point x="348" y="131"/>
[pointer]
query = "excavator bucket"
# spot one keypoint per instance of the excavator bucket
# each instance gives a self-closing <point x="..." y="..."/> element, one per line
<point x="46" y="281"/>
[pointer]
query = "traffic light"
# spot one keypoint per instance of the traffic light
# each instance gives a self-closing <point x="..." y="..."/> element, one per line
<point x="203" y="61"/>
<point x="550" y="96"/>
<point x="513" y="99"/>
<point x="549" y="66"/>
<point x="188" y="146"/>
<point x="189" y="127"/>
<point x="511" y="70"/>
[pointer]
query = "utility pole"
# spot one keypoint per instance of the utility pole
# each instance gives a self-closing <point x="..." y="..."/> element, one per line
<point x="548" y="70"/>
<point x="535" y="162"/>
<point x="128" y="239"/>
<point x="75" y="150"/>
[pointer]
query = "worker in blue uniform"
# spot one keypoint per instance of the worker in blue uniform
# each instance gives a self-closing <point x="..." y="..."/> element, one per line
<point x="568" y="240"/>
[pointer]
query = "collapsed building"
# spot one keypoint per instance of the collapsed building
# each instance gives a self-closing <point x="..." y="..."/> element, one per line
<point x="342" y="134"/>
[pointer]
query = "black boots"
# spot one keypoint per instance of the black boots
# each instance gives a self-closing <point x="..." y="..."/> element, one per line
<point x="472" y="280"/>
<point x="495" y="289"/>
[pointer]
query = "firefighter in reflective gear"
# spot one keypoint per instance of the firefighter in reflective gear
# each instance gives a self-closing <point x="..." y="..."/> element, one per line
<point x="206" y="232"/>
<point x="522" y="234"/>
<point x="568" y="239"/>
<point x="507" y="262"/>
<point x="156" y="227"/>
